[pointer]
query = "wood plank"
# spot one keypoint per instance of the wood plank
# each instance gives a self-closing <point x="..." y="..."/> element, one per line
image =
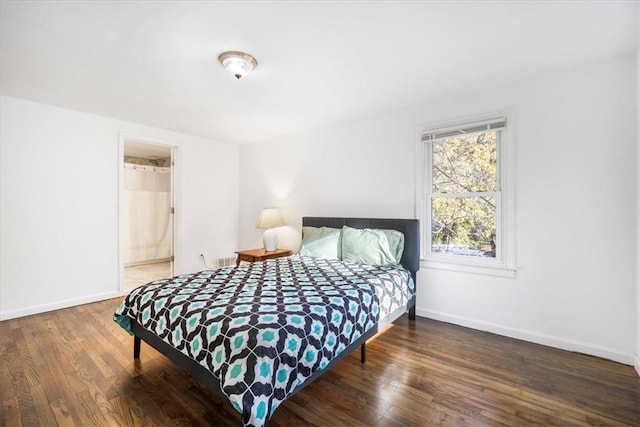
<point x="61" y="412"/>
<point x="132" y="415"/>
<point x="10" y="414"/>
<point x="75" y="367"/>
<point x="45" y="415"/>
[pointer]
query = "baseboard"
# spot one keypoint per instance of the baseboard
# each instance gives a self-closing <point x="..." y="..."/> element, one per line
<point x="152" y="261"/>
<point x="36" y="309"/>
<point x="637" y="365"/>
<point x="548" y="340"/>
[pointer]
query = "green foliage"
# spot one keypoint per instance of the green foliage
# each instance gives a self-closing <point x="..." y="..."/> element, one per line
<point x="464" y="166"/>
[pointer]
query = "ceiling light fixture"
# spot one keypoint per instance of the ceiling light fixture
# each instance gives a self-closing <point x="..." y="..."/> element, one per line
<point x="238" y="63"/>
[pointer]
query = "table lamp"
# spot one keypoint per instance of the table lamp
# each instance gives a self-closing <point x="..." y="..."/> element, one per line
<point x="270" y="218"/>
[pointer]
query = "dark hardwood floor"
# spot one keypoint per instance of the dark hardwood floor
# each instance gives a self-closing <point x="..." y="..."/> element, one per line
<point x="74" y="367"/>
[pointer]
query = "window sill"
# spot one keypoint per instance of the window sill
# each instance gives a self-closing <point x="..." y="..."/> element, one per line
<point x="467" y="267"/>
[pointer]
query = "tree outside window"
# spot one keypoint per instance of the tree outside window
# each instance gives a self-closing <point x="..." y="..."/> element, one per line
<point x="464" y="194"/>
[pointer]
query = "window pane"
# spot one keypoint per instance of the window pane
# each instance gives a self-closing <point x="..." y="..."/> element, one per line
<point x="464" y="226"/>
<point x="466" y="163"/>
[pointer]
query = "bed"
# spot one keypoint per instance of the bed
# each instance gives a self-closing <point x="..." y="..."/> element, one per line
<point x="259" y="333"/>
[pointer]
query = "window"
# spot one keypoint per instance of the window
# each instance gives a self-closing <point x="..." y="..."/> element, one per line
<point x="467" y="215"/>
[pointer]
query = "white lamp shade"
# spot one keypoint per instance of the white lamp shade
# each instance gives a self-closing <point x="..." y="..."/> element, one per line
<point x="269" y="218"/>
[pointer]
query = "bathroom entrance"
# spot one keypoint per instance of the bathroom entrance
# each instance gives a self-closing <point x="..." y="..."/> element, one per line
<point x="147" y="213"/>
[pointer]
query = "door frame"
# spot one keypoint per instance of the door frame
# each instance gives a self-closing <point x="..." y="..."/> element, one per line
<point x="175" y="195"/>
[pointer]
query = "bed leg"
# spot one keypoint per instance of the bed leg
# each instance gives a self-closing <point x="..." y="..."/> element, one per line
<point x="363" y="353"/>
<point x="136" y="347"/>
<point x="412" y="313"/>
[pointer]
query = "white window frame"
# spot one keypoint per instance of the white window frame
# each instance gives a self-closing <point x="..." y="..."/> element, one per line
<point x="503" y="264"/>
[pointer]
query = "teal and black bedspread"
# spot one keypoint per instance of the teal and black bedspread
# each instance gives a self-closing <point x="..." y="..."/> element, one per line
<point x="263" y="329"/>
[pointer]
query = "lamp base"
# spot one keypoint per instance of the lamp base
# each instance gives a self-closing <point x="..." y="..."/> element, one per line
<point x="270" y="240"/>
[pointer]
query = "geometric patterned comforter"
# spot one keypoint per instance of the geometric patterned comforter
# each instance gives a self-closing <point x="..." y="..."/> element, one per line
<point x="263" y="328"/>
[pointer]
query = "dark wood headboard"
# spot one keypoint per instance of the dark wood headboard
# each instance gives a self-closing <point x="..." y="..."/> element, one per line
<point x="409" y="227"/>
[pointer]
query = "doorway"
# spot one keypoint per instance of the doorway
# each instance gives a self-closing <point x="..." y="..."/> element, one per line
<point x="147" y="212"/>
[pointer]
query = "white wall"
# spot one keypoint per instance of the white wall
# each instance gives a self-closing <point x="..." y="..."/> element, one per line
<point x="637" y="358"/>
<point x="59" y="204"/>
<point x="575" y="208"/>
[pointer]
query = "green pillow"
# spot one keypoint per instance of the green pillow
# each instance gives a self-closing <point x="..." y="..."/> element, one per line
<point x="366" y="246"/>
<point x="396" y="243"/>
<point x="323" y="242"/>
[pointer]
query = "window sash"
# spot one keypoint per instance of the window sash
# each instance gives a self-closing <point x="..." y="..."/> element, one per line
<point x="497" y="125"/>
<point x="464" y="194"/>
<point x="499" y="229"/>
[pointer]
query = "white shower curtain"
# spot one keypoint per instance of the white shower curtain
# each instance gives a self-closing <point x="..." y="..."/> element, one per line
<point x="147" y="219"/>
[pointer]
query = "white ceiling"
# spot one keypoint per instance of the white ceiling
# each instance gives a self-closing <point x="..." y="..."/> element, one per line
<point x="155" y="63"/>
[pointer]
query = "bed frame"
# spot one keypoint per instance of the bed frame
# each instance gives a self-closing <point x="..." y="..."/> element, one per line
<point x="410" y="261"/>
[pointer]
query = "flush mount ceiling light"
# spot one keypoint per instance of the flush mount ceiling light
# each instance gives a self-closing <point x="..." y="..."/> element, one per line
<point x="238" y="63"/>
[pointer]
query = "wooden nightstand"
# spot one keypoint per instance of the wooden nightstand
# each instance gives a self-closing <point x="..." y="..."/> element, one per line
<point x="253" y="255"/>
